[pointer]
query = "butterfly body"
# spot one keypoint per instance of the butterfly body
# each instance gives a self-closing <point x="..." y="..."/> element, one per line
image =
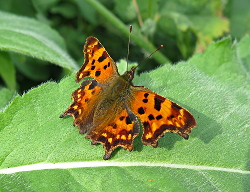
<point x="109" y="108"/>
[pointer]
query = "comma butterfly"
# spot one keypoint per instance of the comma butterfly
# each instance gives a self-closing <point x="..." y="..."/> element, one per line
<point x="109" y="108"/>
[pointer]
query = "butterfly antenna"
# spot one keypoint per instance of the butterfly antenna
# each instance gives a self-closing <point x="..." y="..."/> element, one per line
<point x="150" y="55"/>
<point x="130" y="31"/>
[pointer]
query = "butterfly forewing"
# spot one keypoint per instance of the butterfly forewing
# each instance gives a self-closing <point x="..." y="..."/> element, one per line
<point x="98" y="64"/>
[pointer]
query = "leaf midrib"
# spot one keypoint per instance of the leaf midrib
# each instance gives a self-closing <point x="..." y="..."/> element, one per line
<point x="69" y="165"/>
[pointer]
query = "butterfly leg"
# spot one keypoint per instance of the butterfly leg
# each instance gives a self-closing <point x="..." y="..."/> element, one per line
<point x="107" y="155"/>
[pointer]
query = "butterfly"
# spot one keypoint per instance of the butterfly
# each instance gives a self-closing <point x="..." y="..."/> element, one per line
<point x="111" y="110"/>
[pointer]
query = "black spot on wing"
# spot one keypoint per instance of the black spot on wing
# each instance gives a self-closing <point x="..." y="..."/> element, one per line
<point x="103" y="57"/>
<point x="128" y="120"/>
<point x="146" y="125"/>
<point x="93" y="85"/>
<point x="114" y="125"/>
<point x="151" y="117"/>
<point x="121" y="118"/>
<point x="158" y="101"/>
<point x="102" y="139"/>
<point x="159" y="117"/>
<point x="97" y="73"/>
<point x="141" y="111"/>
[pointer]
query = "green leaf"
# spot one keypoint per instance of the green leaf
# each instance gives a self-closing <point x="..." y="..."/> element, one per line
<point x="203" y="18"/>
<point x="7" y="70"/>
<point x="239" y="18"/>
<point x="30" y="37"/>
<point x="215" y="158"/>
<point x="123" y="65"/>
<point x="226" y="62"/>
<point x="44" y="5"/>
<point x="5" y="97"/>
<point x="125" y="10"/>
<point x="135" y="36"/>
<point x="87" y="11"/>
<point x="31" y="67"/>
<point x="68" y="10"/>
<point x="244" y="52"/>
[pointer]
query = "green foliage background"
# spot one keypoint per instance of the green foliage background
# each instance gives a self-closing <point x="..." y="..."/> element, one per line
<point x="183" y="27"/>
<point x="204" y="66"/>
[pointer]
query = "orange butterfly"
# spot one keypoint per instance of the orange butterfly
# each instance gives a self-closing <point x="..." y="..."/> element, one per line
<point x="109" y="107"/>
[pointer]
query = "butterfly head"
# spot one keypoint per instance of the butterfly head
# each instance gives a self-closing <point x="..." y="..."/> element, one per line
<point x="129" y="75"/>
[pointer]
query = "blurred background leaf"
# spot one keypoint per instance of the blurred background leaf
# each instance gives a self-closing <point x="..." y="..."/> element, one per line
<point x="183" y="27"/>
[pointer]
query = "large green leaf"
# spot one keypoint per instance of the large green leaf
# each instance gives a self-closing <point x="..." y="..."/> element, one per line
<point x="30" y="37"/>
<point x="215" y="158"/>
<point x="229" y="61"/>
<point x="244" y="53"/>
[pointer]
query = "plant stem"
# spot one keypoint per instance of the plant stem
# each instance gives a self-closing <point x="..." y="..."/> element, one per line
<point x="136" y="37"/>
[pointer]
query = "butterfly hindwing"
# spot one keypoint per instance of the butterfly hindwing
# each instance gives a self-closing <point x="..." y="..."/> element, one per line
<point x="119" y="132"/>
<point x="159" y="115"/>
<point x="98" y="64"/>
<point x="83" y="104"/>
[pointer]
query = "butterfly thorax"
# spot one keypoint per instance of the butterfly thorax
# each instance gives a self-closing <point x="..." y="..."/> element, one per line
<point x="114" y="98"/>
